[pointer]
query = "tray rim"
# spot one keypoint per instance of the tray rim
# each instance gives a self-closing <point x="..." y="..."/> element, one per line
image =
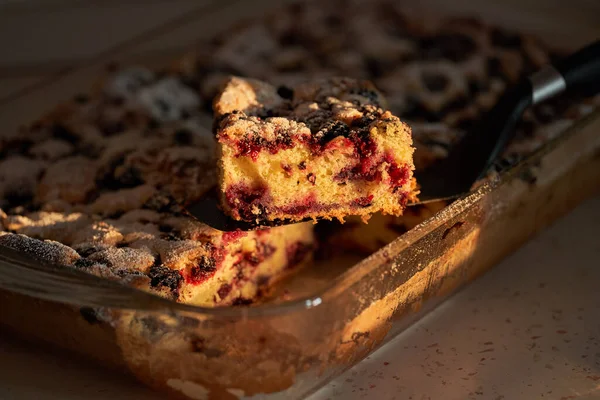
<point x="129" y="298"/>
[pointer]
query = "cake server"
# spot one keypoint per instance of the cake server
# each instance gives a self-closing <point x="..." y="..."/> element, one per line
<point x="471" y="159"/>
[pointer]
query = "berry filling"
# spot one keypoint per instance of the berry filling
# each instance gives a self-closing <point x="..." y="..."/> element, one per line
<point x="204" y="270"/>
<point x="306" y="205"/>
<point x="365" y="201"/>
<point x="296" y="253"/>
<point x="398" y="175"/>
<point x="252" y="145"/>
<point x="229" y="237"/>
<point x="224" y="290"/>
<point x="245" y="200"/>
<point x="253" y="258"/>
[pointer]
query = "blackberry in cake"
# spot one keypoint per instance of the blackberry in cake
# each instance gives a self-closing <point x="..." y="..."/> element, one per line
<point x="322" y="149"/>
<point x="101" y="184"/>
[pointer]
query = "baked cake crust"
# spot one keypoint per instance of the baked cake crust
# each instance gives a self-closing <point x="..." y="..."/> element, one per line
<point x="321" y="149"/>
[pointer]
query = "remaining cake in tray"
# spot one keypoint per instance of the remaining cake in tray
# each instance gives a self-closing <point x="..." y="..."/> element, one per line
<point x="325" y="148"/>
<point x="100" y="184"/>
<point x="439" y="75"/>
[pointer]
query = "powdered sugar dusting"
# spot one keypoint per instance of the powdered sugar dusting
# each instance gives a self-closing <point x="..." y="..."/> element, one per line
<point x="48" y="250"/>
<point x="124" y="258"/>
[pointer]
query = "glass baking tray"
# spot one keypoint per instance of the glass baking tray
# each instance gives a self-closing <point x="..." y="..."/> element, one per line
<point x="289" y="349"/>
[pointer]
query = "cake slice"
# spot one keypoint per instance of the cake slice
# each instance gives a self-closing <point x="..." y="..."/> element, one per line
<point x="322" y="149"/>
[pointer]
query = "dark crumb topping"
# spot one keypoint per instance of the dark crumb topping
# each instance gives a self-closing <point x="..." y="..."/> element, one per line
<point x="329" y="131"/>
<point x="329" y="109"/>
<point x="162" y="276"/>
<point x="246" y="200"/>
<point x="89" y="249"/>
<point x="163" y="204"/>
<point x="117" y="176"/>
<point x="363" y="202"/>
<point x="251" y="145"/>
<point x="206" y="268"/>
<point x="84" y="263"/>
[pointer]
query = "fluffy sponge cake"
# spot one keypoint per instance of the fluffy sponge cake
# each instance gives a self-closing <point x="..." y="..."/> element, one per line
<point x="322" y="149"/>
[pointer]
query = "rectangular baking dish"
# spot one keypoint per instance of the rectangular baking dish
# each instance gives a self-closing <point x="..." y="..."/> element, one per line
<point x="289" y="349"/>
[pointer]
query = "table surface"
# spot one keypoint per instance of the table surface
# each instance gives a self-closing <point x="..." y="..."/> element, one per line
<point x="528" y="329"/>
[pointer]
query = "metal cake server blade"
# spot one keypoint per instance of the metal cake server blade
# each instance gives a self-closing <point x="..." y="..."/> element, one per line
<point x="472" y="158"/>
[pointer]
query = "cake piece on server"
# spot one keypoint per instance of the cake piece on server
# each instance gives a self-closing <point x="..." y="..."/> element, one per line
<point x="322" y="149"/>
